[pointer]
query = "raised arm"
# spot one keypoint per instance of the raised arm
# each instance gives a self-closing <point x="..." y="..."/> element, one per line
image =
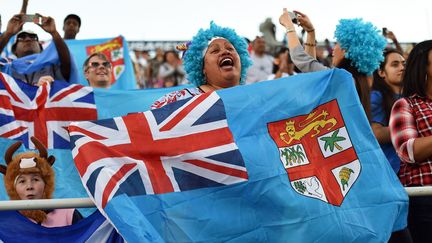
<point x="48" y="24"/>
<point x="13" y="27"/>
<point x="306" y="24"/>
<point x="291" y="34"/>
<point x="24" y="7"/>
<point x="302" y="60"/>
<point x="392" y="36"/>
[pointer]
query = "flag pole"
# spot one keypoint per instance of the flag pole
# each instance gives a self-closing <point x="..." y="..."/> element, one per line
<point x="88" y="203"/>
<point x="419" y="191"/>
<point x="46" y="204"/>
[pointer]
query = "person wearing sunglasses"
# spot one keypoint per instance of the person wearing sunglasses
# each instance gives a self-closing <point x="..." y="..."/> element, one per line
<point x="27" y="43"/>
<point x="98" y="70"/>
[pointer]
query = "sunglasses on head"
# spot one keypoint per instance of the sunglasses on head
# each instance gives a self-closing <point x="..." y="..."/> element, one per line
<point x="97" y="64"/>
<point x="32" y="37"/>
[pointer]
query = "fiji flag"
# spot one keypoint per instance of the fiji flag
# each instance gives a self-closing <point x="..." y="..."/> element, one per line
<point x="158" y="151"/>
<point x="44" y="112"/>
<point x="117" y="51"/>
<point x="289" y="160"/>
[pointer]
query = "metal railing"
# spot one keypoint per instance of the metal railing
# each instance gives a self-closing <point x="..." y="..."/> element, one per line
<point x="88" y="203"/>
<point x="46" y="204"/>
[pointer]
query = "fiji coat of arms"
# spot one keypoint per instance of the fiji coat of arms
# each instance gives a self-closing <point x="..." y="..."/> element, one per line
<point x="317" y="153"/>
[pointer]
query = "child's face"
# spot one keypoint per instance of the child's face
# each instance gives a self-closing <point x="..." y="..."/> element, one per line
<point x="30" y="186"/>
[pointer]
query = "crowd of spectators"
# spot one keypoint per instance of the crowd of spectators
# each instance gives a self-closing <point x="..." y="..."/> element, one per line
<point x="159" y="68"/>
<point x="404" y="132"/>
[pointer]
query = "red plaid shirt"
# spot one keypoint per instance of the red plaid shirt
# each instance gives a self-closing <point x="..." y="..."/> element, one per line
<point x="411" y="118"/>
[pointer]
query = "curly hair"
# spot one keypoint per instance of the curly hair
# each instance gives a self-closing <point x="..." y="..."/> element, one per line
<point x="362" y="42"/>
<point x="193" y="59"/>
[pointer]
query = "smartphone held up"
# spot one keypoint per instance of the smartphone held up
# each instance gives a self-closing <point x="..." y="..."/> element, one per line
<point x="33" y="18"/>
<point x="384" y="31"/>
<point x="293" y="17"/>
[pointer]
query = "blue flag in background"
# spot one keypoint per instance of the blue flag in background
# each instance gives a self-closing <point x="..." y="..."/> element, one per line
<point x="7" y="51"/>
<point x="116" y="50"/>
<point x="14" y="227"/>
<point x="112" y="103"/>
<point x="315" y="172"/>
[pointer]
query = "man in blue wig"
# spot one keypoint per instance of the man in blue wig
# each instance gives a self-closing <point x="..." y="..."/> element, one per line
<point x="359" y="50"/>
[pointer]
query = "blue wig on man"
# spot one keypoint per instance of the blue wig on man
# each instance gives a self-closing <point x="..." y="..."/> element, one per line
<point x="362" y="42"/>
<point x="193" y="59"/>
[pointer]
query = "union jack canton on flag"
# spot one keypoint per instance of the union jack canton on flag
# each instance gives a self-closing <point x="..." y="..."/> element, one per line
<point x="183" y="146"/>
<point x="44" y="111"/>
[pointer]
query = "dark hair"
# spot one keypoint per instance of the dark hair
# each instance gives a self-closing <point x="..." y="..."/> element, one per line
<point x="361" y="83"/>
<point x="379" y="84"/>
<point x="170" y="51"/>
<point x="281" y="51"/>
<point x="258" y="37"/>
<point x="73" y="16"/>
<point x="414" y="81"/>
<point x="98" y="54"/>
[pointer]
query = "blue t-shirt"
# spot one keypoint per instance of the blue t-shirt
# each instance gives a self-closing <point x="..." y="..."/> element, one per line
<point x="378" y="116"/>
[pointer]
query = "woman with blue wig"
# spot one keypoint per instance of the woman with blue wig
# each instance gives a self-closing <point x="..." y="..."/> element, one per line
<point x="359" y="50"/>
<point x="216" y="58"/>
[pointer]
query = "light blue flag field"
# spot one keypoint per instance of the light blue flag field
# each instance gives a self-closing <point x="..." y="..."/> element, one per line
<point x="288" y="160"/>
<point x="117" y="51"/>
<point x="7" y="54"/>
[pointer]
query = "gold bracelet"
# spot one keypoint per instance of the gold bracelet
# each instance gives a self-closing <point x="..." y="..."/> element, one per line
<point x="310" y="44"/>
<point x="290" y="30"/>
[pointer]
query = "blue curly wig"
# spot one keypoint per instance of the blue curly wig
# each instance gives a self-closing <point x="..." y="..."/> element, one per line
<point x="193" y="59"/>
<point x="362" y="42"/>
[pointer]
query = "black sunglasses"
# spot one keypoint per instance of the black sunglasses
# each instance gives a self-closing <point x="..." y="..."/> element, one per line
<point x="97" y="64"/>
<point x="32" y="37"/>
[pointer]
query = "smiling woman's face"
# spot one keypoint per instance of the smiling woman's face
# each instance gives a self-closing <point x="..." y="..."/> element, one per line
<point x="30" y="186"/>
<point x="222" y="67"/>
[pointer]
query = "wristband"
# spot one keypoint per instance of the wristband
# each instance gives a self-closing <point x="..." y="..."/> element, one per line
<point x="290" y="30"/>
